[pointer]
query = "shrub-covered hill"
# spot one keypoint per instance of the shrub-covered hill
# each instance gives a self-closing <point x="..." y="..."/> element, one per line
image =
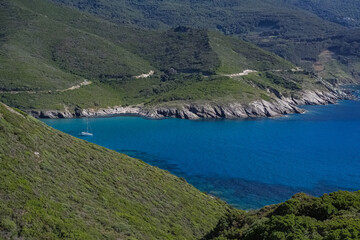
<point x="47" y="52"/>
<point x="299" y="31"/>
<point x="333" y="216"/>
<point x="54" y="186"/>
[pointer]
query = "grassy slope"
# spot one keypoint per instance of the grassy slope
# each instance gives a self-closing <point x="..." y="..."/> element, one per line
<point x="40" y="52"/>
<point x="237" y="56"/>
<point x="334" y="216"/>
<point x="21" y="67"/>
<point x="77" y="190"/>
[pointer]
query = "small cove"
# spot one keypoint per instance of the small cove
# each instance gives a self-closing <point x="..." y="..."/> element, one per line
<point x="248" y="163"/>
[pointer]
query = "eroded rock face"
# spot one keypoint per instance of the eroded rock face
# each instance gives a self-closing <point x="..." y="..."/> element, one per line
<point x="52" y="114"/>
<point x="109" y="111"/>
<point x="259" y="108"/>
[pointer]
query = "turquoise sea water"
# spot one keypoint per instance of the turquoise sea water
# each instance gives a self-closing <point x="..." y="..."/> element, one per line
<point x="248" y="163"/>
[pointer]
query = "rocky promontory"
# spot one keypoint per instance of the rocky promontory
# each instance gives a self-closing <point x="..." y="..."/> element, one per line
<point x="210" y="110"/>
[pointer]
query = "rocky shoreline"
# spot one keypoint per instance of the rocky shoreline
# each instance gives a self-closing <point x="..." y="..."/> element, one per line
<point x="259" y="108"/>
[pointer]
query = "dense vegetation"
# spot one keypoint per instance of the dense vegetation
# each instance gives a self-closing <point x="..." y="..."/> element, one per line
<point x="342" y="12"/>
<point x="47" y="48"/>
<point x="54" y="186"/>
<point x="155" y="14"/>
<point x="232" y="16"/>
<point x="296" y="30"/>
<point x="332" y="216"/>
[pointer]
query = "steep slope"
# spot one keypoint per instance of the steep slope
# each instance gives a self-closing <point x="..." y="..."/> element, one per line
<point x="39" y="52"/>
<point x="54" y="186"/>
<point x="332" y="216"/>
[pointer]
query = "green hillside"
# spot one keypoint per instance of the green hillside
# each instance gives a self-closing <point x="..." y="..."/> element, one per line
<point x="298" y="31"/>
<point x="41" y="52"/>
<point x="236" y="56"/>
<point x="48" y="50"/>
<point x="334" y="216"/>
<point x="54" y="186"/>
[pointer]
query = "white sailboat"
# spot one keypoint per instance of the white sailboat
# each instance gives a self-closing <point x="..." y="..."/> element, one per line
<point x="87" y="133"/>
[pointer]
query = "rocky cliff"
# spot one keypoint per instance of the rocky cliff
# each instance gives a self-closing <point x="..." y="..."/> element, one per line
<point x="211" y="110"/>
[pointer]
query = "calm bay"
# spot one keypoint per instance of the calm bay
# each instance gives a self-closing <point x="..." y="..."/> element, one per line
<point x="248" y="163"/>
